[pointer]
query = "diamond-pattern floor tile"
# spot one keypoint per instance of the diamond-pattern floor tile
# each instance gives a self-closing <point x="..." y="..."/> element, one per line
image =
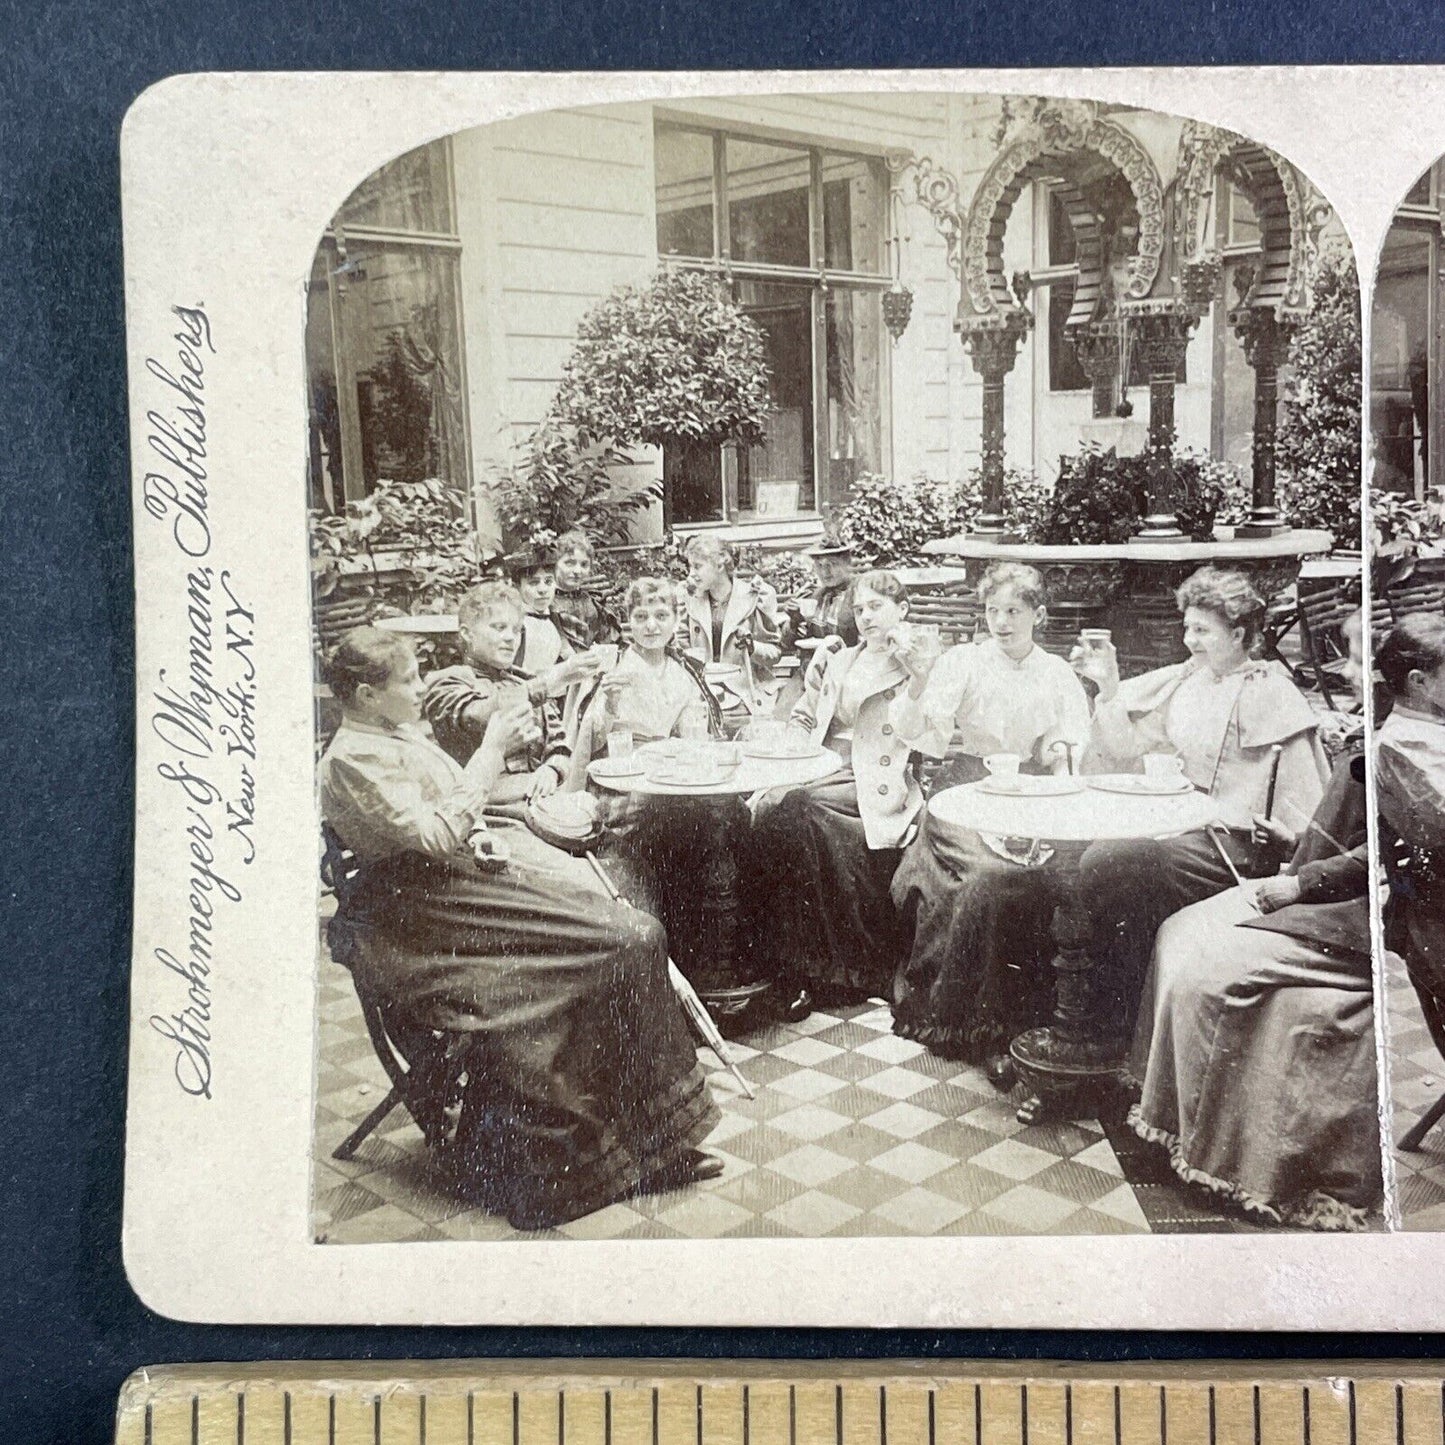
<point x="854" y="1132"/>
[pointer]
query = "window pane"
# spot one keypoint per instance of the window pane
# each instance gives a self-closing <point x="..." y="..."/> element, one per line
<point x="1063" y="248"/>
<point x="854" y="321"/>
<point x="1399" y="362"/>
<point x="786" y="455"/>
<point x="1243" y="221"/>
<point x="323" y="464"/>
<point x="767" y="188"/>
<point x="1065" y="373"/>
<point x="693" y="477"/>
<point x="411" y="193"/>
<point x="683" y="171"/>
<point x="855" y="193"/>
<point x="1419" y="194"/>
<point x="398" y="309"/>
<point x="1237" y="404"/>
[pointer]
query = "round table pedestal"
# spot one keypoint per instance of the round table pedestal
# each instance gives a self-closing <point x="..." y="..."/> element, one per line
<point x="1072" y="1061"/>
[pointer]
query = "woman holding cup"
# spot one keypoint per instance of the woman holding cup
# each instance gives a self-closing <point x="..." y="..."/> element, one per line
<point x="976" y="918"/>
<point x="823" y="855"/>
<point x="1227" y="723"/>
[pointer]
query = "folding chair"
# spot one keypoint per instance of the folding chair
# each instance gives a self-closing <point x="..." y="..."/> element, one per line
<point x="425" y="1065"/>
<point x="1323" y="613"/>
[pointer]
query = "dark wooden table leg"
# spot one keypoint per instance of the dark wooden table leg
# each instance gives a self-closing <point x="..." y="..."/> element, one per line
<point x="721" y="984"/>
<point x="1073" y="1058"/>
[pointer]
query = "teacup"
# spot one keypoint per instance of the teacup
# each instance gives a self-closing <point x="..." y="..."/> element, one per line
<point x="1095" y="639"/>
<point x="1003" y="765"/>
<point x="606" y="654"/>
<point x="1163" y="767"/>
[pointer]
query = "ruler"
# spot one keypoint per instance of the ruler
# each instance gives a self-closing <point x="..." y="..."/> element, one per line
<point x="783" y="1403"/>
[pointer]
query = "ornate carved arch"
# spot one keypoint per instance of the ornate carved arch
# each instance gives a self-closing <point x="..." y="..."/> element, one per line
<point x="1289" y="213"/>
<point x="1064" y="129"/>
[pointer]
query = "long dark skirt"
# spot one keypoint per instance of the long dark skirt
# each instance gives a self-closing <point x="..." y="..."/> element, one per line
<point x="1261" y="1070"/>
<point x="678" y="859"/>
<point x="978" y="926"/>
<point x="582" y="1080"/>
<point x="817" y="894"/>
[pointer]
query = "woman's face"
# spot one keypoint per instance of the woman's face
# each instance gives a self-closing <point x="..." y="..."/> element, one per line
<point x="703" y="573"/>
<point x="398" y="699"/>
<point x="831" y="571"/>
<point x="1011" y="621"/>
<point x="492" y="638"/>
<point x="573" y="570"/>
<point x="1212" y="640"/>
<point x="653" y="625"/>
<point x="538" y="589"/>
<point x="1428" y="688"/>
<point x="876" y="615"/>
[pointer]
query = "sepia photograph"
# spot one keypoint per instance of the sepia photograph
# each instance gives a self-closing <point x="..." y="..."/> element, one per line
<point x="1407" y="566"/>
<point x="840" y="677"/>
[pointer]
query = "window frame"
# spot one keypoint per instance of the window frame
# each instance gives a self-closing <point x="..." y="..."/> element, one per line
<point x="820" y="278"/>
<point x="338" y="241"/>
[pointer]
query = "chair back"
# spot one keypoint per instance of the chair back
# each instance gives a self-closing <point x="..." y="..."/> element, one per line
<point x="957" y="615"/>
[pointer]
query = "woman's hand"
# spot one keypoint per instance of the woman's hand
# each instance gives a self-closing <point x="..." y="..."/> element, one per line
<point x="1276" y="893"/>
<point x="917" y="651"/>
<point x="1100" y="665"/>
<point x="545" y="781"/>
<point x="511" y="729"/>
<point x="1273" y="835"/>
<point x="577" y="668"/>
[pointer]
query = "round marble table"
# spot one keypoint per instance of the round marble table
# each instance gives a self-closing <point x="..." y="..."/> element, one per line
<point x="720" y="982"/>
<point x="1075" y="1055"/>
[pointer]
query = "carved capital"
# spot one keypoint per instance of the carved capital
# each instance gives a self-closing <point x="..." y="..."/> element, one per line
<point x="1265" y="336"/>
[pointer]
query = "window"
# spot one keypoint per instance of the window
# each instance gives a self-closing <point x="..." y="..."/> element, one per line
<point x="1401" y="363"/>
<point x="1232" y="404"/>
<point x="798" y="230"/>
<point x="383" y="337"/>
<point x="1055" y="274"/>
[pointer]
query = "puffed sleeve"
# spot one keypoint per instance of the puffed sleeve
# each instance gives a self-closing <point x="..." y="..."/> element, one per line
<point x="927" y="723"/>
<point x="767" y="630"/>
<point x="459" y="704"/>
<point x="391" y="806"/>
<point x="1410" y="786"/>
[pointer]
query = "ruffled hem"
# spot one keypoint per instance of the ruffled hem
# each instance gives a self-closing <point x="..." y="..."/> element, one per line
<point x="1315" y="1210"/>
<point x="948" y="1041"/>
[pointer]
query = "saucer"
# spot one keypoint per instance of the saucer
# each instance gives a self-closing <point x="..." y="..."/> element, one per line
<point x="1141" y="787"/>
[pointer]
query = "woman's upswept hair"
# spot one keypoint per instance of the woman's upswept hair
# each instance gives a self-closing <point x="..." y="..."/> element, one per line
<point x="486" y="598"/>
<point x="714" y="550"/>
<point x="646" y="590"/>
<point x="1229" y="595"/>
<point x="1414" y="644"/>
<point x="575" y="541"/>
<point x="364" y="654"/>
<point x="1017" y="577"/>
<point x="881" y="582"/>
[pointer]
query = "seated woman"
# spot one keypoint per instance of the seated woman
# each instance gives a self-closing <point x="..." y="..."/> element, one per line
<point x="728" y="619"/>
<point x="460" y="701"/>
<point x="1234" y="722"/>
<point x="822" y="856"/>
<point x="582" y="1083"/>
<point x="1261" y="1075"/>
<point x="585" y="620"/>
<point x="1410" y="791"/>
<point x="977" y="921"/>
<point x="662" y="850"/>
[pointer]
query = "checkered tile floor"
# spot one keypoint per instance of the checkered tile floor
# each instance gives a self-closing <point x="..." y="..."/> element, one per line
<point x="854" y="1131"/>
<point x="1417" y="1079"/>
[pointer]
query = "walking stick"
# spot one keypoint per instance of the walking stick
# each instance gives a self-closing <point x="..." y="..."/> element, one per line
<point x="687" y="995"/>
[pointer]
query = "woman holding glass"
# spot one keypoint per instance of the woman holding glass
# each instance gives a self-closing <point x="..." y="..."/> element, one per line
<point x="977" y="913"/>
<point x="1230" y="724"/>
<point x="823" y="855"/>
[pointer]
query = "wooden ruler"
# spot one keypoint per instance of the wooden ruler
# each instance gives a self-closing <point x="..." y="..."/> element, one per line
<point x="783" y="1403"/>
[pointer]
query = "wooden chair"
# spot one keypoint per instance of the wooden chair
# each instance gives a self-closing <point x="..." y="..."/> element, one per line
<point x="1323" y="612"/>
<point x="425" y="1065"/>
<point x="956" y="614"/>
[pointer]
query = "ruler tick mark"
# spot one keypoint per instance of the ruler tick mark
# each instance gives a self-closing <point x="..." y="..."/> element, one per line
<point x="837" y="1414"/>
<point x="376" y="1420"/>
<point x="241" y="1419"/>
<point x="195" y="1420"/>
<point x="1069" y="1415"/>
<point x="421" y="1419"/>
<point x="747" y="1417"/>
<point x="882" y="1415"/>
<point x="561" y="1418"/>
<point x="1163" y="1418"/>
<point x="331" y="1422"/>
<point x="1399" y="1415"/>
<point x="932" y="1418"/>
<point x="978" y="1415"/>
<point x="654" y="1415"/>
<point x="286" y="1418"/>
<point x="1257" y="1439"/>
<point x="1024" y="1415"/>
<point x="516" y="1418"/>
<point x="149" y="1424"/>
<point x="699" y="1415"/>
<point x="1353" y="1436"/>
<point x="606" y="1418"/>
<point x="1212" y="1440"/>
<point x="1118" y="1418"/>
<point x="1306" y="1409"/>
<point x="792" y="1416"/>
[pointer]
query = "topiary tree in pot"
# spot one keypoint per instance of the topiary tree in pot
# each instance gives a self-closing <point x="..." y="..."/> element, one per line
<point x="673" y="364"/>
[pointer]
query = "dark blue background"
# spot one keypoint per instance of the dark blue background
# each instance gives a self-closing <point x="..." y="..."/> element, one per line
<point x="72" y="1329"/>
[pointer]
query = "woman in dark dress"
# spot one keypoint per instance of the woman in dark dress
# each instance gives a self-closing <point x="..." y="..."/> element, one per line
<point x="582" y="1082"/>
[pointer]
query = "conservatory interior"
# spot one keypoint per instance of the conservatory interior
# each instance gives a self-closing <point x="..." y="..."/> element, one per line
<point x="942" y="332"/>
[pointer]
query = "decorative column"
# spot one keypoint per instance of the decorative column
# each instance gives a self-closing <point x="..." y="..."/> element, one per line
<point x="1164" y="336"/>
<point x="1266" y="337"/>
<point x="994" y="347"/>
<point x="1098" y="349"/>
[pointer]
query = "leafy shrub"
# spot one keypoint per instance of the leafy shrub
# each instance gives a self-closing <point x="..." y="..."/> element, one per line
<point x="1318" y="452"/>
<point x="1400" y="525"/>
<point x="558" y="480"/>
<point x="676" y="360"/>
<point x="887" y="522"/>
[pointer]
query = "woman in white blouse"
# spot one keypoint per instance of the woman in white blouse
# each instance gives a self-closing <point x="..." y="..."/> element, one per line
<point x="582" y="1082"/>
<point x="976" y="919"/>
<point x="1233" y="721"/>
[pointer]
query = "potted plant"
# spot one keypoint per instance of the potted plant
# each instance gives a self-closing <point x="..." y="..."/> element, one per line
<point x="676" y="364"/>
